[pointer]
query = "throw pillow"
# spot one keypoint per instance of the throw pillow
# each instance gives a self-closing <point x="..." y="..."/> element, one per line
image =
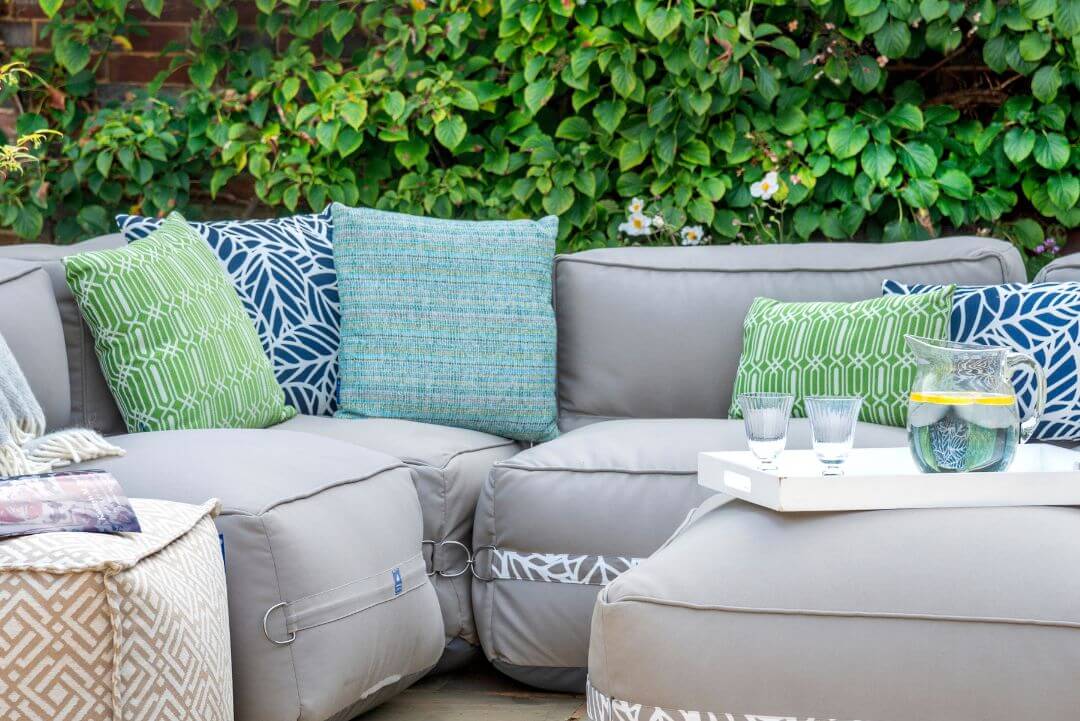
<point x="447" y="322"/>
<point x="175" y="345"/>
<point x="283" y="271"/>
<point x="1040" y="319"/>
<point x="826" y="348"/>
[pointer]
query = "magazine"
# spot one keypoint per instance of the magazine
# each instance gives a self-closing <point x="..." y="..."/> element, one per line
<point x="90" y="501"/>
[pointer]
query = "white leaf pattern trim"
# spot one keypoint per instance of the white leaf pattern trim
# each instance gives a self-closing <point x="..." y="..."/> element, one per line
<point x="283" y="271"/>
<point x="559" y="567"/>
<point x="600" y="707"/>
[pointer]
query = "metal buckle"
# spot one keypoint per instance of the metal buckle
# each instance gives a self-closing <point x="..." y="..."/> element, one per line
<point x="266" y="628"/>
<point x="475" y="555"/>
<point x="435" y="545"/>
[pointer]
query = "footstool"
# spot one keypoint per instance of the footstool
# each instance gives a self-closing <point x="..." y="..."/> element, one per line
<point x="131" y="626"/>
<point x="966" y="614"/>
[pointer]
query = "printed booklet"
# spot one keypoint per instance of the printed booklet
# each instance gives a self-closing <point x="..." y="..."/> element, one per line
<point x="90" y="501"/>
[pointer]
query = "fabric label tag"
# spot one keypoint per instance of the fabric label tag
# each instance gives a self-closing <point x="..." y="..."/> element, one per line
<point x="399" y="585"/>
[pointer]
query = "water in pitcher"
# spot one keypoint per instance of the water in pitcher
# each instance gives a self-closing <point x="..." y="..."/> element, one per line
<point x="962" y="431"/>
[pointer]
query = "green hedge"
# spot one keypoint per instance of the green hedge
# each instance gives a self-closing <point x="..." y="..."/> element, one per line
<point x="881" y="120"/>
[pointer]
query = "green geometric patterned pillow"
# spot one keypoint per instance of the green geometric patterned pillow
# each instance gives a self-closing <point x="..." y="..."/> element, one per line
<point x="447" y="322"/>
<point x="176" y="346"/>
<point x="839" y="349"/>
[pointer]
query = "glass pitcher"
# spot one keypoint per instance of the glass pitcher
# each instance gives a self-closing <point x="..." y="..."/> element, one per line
<point x="962" y="413"/>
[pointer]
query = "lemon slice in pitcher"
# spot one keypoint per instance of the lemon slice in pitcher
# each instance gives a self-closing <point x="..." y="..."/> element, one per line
<point x="963" y="398"/>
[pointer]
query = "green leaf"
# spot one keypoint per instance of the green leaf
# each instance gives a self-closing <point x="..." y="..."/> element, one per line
<point x="50" y="8"/>
<point x="893" y="39"/>
<point x="956" y="183"/>
<point x="918" y="159"/>
<point x="623" y="80"/>
<point x="933" y="9"/>
<point x="394" y="104"/>
<point x="103" y="162"/>
<point x="290" y="87"/>
<point x="1064" y="190"/>
<point x="326" y="133"/>
<point x="558" y="200"/>
<point x="865" y="74"/>
<point x="920" y="193"/>
<point x="609" y="113"/>
<point x="573" y="128"/>
<point x="342" y="22"/>
<point x="154" y="7"/>
<point x="354" y="113"/>
<point x="1036" y="9"/>
<point x="411" y="152"/>
<point x="1046" y="83"/>
<point x="1018" y="144"/>
<point x="807" y="220"/>
<point x="878" y="161"/>
<point x="791" y="121"/>
<point x="1034" y="46"/>
<point x="695" y="152"/>
<point x="451" y="131"/>
<point x="846" y="138"/>
<point x="766" y="83"/>
<point x="74" y="55"/>
<point x="28" y="222"/>
<point x="537" y="93"/>
<point x="857" y="8"/>
<point x="1028" y="232"/>
<point x="530" y="16"/>
<point x="906" y="116"/>
<point x="631" y="154"/>
<point x="1067" y="18"/>
<point x="701" y="210"/>
<point x="202" y="73"/>
<point x="1051" y="151"/>
<point x="661" y="22"/>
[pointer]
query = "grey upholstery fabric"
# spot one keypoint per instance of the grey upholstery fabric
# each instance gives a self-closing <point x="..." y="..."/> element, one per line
<point x="448" y="465"/>
<point x="92" y="404"/>
<point x="1064" y="268"/>
<point x="30" y="323"/>
<point x="322" y="526"/>
<point x="657" y="332"/>
<point x="559" y="519"/>
<point x="936" y="615"/>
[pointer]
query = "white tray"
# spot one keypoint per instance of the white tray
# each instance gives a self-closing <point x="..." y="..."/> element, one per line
<point x="1040" y="475"/>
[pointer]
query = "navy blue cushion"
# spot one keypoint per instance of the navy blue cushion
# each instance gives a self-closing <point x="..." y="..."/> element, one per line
<point x="283" y="271"/>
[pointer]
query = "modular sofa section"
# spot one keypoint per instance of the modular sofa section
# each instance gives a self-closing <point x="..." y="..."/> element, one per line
<point x="936" y="615"/>
<point x="330" y="606"/>
<point x="448" y="466"/>
<point x="657" y="332"/>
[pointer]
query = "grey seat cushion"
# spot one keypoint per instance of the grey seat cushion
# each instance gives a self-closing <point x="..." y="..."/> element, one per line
<point x="92" y="404"/>
<point x="560" y="519"/>
<point x="30" y="323"/>
<point x="330" y="530"/>
<point x="937" y="615"/>
<point x="448" y="465"/>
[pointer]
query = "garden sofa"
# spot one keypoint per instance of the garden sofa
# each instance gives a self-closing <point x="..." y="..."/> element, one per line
<point x="649" y="339"/>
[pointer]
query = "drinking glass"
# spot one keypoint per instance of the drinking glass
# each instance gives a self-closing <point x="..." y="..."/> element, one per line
<point x="832" y="428"/>
<point x="765" y="416"/>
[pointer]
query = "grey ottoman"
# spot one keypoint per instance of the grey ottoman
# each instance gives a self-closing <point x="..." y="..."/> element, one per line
<point x="968" y="614"/>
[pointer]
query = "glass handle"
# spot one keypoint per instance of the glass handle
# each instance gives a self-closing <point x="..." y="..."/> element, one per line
<point x="1015" y="360"/>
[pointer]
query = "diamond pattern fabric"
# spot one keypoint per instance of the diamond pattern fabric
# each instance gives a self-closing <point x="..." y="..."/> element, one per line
<point x="175" y="345"/>
<point x="827" y="348"/>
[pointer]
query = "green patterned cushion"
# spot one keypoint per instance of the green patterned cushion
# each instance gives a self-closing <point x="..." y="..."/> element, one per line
<point x="840" y="349"/>
<point x="447" y="322"/>
<point x="176" y="346"/>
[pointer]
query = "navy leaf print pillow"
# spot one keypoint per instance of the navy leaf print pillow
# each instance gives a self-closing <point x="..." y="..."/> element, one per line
<point x="283" y="270"/>
<point x="1040" y="319"/>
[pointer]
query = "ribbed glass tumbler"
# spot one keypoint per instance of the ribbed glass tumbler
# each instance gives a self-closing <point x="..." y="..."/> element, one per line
<point x="765" y="417"/>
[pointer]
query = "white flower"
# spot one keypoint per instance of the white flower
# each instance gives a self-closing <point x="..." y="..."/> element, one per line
<point x="636" y="207"/>
<point x="636" y="224"/>
<point x="766" y="187"/>
<point x="658" y="220"/>
<point x="692" y="235"/>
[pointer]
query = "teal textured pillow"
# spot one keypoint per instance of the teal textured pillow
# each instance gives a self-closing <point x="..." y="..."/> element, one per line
<point x="176" y="347"/>
<point x="447" y="322"/>
<point x="839" y="349"/>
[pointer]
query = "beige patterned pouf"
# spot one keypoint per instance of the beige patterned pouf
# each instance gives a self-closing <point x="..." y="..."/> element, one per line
<point x="123" y="627"/>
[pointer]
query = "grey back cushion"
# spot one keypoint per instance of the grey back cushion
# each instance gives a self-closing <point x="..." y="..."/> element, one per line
<point x="30" y="324"/>
<point x="657" y="332"/>
<point x="1063" y="269"/>
<point x="92" y="404"/>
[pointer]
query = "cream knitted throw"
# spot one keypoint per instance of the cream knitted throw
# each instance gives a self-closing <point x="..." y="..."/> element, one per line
<point x="24" y="446"/>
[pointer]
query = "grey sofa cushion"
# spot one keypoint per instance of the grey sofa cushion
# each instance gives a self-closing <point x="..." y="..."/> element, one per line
<point x="657" y="332"/>
<point x="330" y="529"/>
<point x="937" y="615"/>
<point x="92" y="405"/>
<point x="30" y="323"/>
<point x="559" y="520"/>
<point x="448" y="465"/>
<point x="1061" y="269"/>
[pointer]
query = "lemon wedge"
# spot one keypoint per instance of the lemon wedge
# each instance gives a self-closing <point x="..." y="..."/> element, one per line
<point x="963" y="398"/>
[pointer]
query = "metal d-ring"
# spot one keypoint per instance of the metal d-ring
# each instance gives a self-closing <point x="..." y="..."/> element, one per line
<point x="475" y="554"/>
<point x="266" y="629"/>
<point x="468" y="560"/>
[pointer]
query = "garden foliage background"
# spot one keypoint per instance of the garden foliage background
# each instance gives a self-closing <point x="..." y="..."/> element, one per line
<point x="883" y="119"/>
